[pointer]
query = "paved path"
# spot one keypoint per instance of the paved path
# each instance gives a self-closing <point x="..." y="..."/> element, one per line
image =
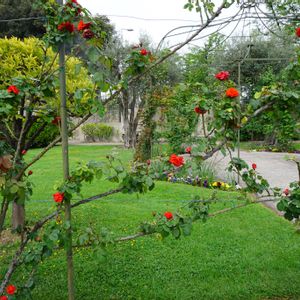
<point x="273" y="166"/>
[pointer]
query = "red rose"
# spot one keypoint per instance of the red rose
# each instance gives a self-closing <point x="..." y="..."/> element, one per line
<point x="188" y="150"/>
<point x="23" y="152"/>
<point x="223" y="75"/>
<point x="298" y="32"/>
<point x="148" y="162"/>
<point x="286" y="191"/>
<point x="88" y="34"/>
<point x="81" y="25"/>
<point x="11" y="289"/>
<point x="3" y="297"/>
<point x="56" y="120"/>
<point x="30" y="172"/>
<point x="168" y="215"/>
<point x="58" y="197"/>
<point x="175" y="160"/>
<point x="199" y="110"/>
<point x="254" y="166"/>
<point x="13" y="89"/>
<point x="232" y="93"/>
<point x="143" y="52"/>
<point x="66" y="26"/>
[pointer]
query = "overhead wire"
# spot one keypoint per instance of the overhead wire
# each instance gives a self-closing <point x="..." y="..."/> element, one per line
<point x="225" y="24"/>
<point x="233" y="30"/>
<point x="22" y="19"/>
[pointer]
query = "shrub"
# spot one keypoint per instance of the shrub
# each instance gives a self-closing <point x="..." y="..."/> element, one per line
<point x="97" y="131"/>
<point x="49" y="133"/>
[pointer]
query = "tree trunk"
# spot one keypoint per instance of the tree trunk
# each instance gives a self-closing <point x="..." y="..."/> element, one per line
<point x="18" y="216"/>
<point x="4" y="207"/>
<point x="125" y="107"/>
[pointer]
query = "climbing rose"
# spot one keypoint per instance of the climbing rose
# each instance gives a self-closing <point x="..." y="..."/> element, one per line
<point x="30" y="172"/>
<point x="223" y="75"/>
<point x="23" y="152"/>
<point x="76" y="4"/>
<point x="13" y="89"/>
<point x="298" y="32"/>
<point x="58" y="197"/>
<point x="88" y="34"/>
<point x="168" y="215"/>
<point x="175" y="160"/>
<point x="143" y="51"/>
<point x="68" y="26"/>
<point x="199" y="110"/>
<point x="148" y="162"/>
<point x="56" y="120"/>
<point x="81" y="25"/>
<point x="286" y="191"/>
<point x="11" y="289"/>
<point x="188" y="150"/>
<point x="254" y="166"/>
<point x="232" y="93"/>
<point x="3" y="297"/>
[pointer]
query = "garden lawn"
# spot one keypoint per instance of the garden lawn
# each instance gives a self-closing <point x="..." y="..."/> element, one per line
<point x="248" y="253"/>
<point x="253" y="145"/>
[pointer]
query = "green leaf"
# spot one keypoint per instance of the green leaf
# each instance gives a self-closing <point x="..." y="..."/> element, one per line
<point x="77" y="68"/>
<point x="149" y="181"/>
<point x="93" y="54"/>
<point x="176" y="232"/>
<point x="14" y="189"/>
<point x="98" y="78"/>
<point x="186" y="229"/>
<point x="282" y="205"/>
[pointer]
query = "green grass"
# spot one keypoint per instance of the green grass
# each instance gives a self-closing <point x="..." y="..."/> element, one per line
<point x="249" y="253"/>
<point x="256" y="145"/>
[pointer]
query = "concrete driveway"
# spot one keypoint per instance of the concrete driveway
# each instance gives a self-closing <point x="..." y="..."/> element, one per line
<point x="272" y="166"/>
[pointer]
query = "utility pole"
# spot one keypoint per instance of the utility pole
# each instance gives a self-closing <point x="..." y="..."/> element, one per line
<point x="65" y="158"/>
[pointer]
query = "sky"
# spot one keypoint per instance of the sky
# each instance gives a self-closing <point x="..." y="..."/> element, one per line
<point x="116" y="10"/>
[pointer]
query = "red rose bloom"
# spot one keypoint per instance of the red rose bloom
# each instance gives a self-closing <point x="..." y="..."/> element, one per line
<point x="223" y="75"/>
<point x="143" y="52"/>
<point x="58" y="197"/>
<point x="23" y="152"/>
<point x="168" y="215"/>
<point x="30" y="172"/>
<point x="66" y="26"/>
<point x="175" y="160"/>
<point x="11" y="289"/>
<point x="13" y="89"/>
<point x="148" y="162"/>
<point x="232" y="93"/>
<point x="3" y="297"/>
<point x="298" y="32"/>
<point x="199" y="110"/>
<point x="88" y="34"/>
<point x="81" y="25"/>
<point x="286" y="191"/>
<point x="188" y="150"/>
<point x="56" y="120"/>
<point x="254" y="166"/>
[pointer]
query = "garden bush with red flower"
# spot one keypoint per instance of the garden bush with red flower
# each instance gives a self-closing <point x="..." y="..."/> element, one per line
<point x="176" y="161"/>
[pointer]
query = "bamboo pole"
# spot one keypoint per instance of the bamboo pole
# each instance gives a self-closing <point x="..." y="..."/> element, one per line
<point x="65" y="158"/>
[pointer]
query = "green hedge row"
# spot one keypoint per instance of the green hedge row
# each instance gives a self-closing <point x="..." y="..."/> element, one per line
<point x="97" y="132"/>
